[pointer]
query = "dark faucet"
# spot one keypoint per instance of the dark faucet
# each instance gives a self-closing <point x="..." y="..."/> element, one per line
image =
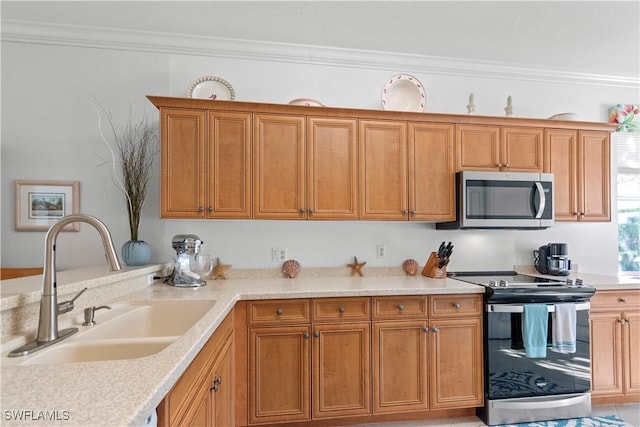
<point x="48" y="332"/>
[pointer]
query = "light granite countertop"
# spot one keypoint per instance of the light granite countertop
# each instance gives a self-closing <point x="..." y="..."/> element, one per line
<point x="125" y="392"/>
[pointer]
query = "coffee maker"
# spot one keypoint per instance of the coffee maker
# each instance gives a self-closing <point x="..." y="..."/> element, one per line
<point x="552" y="259"/>
<point x="190" y="267"/>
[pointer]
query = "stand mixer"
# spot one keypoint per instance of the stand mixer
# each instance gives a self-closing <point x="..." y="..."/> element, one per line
<point x="190" y="267"/>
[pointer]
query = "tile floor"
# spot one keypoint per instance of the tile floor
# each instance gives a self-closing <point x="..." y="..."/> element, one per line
<point x="629" y="412"/>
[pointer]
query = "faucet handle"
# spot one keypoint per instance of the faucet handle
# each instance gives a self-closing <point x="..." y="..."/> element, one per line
<point x="89" y="314"/>
<point x="67" y="306"/>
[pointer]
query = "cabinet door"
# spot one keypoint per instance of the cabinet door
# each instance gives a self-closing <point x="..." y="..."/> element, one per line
<point x="522" y="149"/>
<point x="222" y="388"/>
<point x="400" y="366"/>
<point x="606" y="354"/>
<point x="341" y="367"/>
<point x="383" y="170"/>
<point x="182" y="153"/>
<point x="279" y="188"/>
<point x="333" y="168"/>
<point x="199" y="414"/>
<point x="456" y="363"/>
<point x="561" y="159"/>
<point x="431" y="172"/>
<point x="229" y="161"/>
<point x="631" y="353"/>
<point x="594" y="179"/>
<point x="477" y="148"/>
<point x="279" y="375"/>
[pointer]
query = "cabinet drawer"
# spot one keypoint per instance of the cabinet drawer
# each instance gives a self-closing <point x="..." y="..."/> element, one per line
<point x="616" y="300"/>
<point x="278" y="311"/>
<point x="400" y="307"/>
<point x="341" y="309"/>
<point x="442" y="306"/>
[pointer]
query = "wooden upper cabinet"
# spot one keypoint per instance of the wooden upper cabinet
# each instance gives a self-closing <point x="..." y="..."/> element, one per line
<point x="183" y="163"/>
<point x="333" y="168"/>
<point x="561" y="147"/>
<point x="495" y="148"/>
<point x="279" y="189"/>
<point x="229" y="161"/>
<point x="431" y="172"/>
<point x="383" y="170"/>
<point x="594" y="181"/>
<point x="477" y="148"/>
<point x="579" y="161"/>
<point x="522" y="149"/>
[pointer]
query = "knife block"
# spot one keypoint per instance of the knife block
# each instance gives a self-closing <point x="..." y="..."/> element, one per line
<point x="431" y="267"/>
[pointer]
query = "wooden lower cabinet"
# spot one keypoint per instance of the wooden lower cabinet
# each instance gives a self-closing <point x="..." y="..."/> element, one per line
<point x="331" y="360"/>
<point x="341" y="367"/>
<point x="456" y="363"/>
<point x="205" y="394"/>
<point x="279" y="375"/>
<point x="400" y="368"/>
<point x="615" y="346"/>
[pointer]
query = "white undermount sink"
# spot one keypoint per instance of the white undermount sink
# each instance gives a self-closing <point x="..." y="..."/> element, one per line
<point x="131" y="331"/>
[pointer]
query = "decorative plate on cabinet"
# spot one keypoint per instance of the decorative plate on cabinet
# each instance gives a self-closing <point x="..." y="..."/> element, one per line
<point x="403" y="92"/>
<point x="211" y="87"/>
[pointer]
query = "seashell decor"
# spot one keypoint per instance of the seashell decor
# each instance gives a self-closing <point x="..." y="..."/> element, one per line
<point x="410" y="267"/>
<point x="291" y="268"/>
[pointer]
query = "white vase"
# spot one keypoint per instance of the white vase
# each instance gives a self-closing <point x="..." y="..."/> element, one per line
<point x="136" y="252"/>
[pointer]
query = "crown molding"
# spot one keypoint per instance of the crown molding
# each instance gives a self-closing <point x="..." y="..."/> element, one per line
<point x="32" y="32"/>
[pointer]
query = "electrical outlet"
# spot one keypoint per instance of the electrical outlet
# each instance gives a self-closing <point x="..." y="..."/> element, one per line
<point x="381" y="251"/>
<point x="278" y="254"/>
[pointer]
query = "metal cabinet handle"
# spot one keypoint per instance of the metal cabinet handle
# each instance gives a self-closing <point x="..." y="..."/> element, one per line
<point x="507" y="165"/>
<point x="405" y="212"/>
<point x="499" y="165"/>
<point x="426" y="329"/>
<point x="279" y="311"/>
<point x="215" y="385"/>
<point x="414" y="212"/>
<point x="200" y="209"/>
<point x="316" y="334"/>
<point x="311" y="211"/>
<point x="341" y="310"/>
<point x="622" y="299"/>
<point x="302" y="210"/>
<point x="400" y="307"/>
<point x="620" y="321"/>
<point x="456" y="306"/>
<point x="434" y="329"/>
<point x="306" y="335"/>
<point x="210" y="209"/>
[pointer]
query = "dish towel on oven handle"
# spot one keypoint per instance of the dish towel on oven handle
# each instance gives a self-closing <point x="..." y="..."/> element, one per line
<point x="564" y="328"/>
<point x="534" y="330"/>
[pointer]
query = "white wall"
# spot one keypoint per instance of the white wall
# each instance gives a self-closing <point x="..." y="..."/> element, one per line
<point x="49" y="132"/>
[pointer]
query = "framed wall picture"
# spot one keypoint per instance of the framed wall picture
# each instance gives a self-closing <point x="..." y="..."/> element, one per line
<point x="40" y="204"/>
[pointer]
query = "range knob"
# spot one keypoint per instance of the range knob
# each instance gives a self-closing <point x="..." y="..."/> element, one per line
<point x="492" y="284"/>
<point x="570" y="283"/>
<point x="579" y="283"/>
<point x="503" y="283"/>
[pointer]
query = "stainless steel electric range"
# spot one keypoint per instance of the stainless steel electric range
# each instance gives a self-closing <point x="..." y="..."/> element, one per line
<point x="522" y="389"/>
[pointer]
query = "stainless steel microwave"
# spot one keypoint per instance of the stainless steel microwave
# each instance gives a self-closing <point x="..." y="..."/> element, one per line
<point x="520" y="200"/>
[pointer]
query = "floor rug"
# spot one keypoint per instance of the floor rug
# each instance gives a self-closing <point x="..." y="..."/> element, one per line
<point x="604" y="421"/>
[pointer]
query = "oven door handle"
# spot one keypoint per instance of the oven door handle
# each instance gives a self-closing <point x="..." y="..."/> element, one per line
<point x="509" y="308"/>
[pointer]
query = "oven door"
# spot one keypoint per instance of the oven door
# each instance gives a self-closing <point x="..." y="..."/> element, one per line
<point x="510" y="373"/>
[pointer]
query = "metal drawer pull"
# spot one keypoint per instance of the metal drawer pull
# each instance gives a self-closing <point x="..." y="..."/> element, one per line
<point x="622" y="300"/>
<point x="216" y="383"/>
<point x="508" y="308"/>
<point x="426" y="329"/>
<point x="341" y="310"/>
<point x="400" y="307"/>
<point x="434" y="329"/>
<point x="316" y="334"/>
<point x="279" y="311"/>
<point x="306" y="335"/>
<point x="456" y="306"/>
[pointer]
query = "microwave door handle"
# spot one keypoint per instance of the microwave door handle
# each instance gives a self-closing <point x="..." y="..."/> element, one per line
<point x="540" y="199"/>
